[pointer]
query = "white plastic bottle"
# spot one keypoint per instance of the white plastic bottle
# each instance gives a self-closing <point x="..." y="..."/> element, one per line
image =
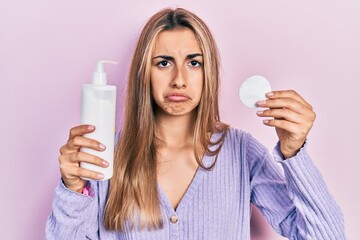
<point x="98" y="103"/>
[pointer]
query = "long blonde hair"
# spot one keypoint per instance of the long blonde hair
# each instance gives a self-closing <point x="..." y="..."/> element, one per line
<point x="133" y="195"/>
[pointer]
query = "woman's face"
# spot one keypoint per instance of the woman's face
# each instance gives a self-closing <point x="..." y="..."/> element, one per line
<point x="177" y="72"/>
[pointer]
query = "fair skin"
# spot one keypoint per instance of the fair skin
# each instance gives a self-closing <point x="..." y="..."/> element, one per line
<point x="176" y="79"/>
<point x="292" y="118"/>
<point x="71" y="157"/>
<point x="176" y="85"/>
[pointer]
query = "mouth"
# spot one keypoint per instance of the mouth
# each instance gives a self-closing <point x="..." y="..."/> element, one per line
<point x="177" y="97"/>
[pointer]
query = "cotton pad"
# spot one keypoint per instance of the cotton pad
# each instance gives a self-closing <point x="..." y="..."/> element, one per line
<point x="253" y="90"/>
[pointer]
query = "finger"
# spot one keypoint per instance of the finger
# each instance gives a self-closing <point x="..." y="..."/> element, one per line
<point x="74" y="145"/>
<point x="288" y="94"/>
<point x="282" y="113"/>
<point x="287" y="103"/>
<point x="81" y="130"/>
<point x="299" y="130"/>
<point x="80" y="141"/>
<point x="72" y="171"/>
<point x="76" y="158"/>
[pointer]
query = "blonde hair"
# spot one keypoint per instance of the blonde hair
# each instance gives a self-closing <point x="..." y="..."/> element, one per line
<point x="133" y="195"/>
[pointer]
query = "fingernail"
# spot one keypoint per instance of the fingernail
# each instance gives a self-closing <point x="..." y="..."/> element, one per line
<point x="105" y="163"/>
<point x="265" y="121"/>
<point x="259" y="112"/>
<point x="100" y="176"/>
<point x="102" y="146"/>
<point x="270" y="94"/>
<point x="91" y="127"/>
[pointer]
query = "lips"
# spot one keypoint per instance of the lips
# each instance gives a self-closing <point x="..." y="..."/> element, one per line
<point x="177" y="97"/>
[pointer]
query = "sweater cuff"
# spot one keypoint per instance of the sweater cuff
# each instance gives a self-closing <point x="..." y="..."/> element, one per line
<point x="70" y="207"/>
<point x="62" y="193"/>
<point x="87" y="190"/>
<point x="279" y="157"/>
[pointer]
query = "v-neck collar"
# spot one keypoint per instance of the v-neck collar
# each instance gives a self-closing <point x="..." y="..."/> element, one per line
<point x="192" y="188"/>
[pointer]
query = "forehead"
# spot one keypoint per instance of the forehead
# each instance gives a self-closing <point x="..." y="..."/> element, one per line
<point x="176" y="41"/>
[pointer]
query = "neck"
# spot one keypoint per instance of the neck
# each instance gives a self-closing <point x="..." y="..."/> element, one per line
<point x="175" y="130"/>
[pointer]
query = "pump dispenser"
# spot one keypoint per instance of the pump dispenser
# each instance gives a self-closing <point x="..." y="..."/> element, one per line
<point x="98" y="103"/>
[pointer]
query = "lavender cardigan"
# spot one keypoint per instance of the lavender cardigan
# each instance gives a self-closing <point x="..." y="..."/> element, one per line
<point x="291" y="195"/>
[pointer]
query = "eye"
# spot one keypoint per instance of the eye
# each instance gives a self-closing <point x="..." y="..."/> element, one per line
<point x="163" y="64"/>
<point x="194" y="63"/>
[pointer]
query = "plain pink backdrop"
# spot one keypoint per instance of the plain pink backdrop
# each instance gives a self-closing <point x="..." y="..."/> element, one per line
<point x="48" y="50"/>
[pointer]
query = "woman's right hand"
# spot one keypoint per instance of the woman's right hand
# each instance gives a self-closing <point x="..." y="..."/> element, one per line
<point x="71" y="156"/>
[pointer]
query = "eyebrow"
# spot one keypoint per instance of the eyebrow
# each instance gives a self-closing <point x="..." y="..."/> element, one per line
<point x="169" y="58"/>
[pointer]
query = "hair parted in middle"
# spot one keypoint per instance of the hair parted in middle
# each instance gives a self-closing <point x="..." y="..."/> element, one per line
<point x="133" y="196"/>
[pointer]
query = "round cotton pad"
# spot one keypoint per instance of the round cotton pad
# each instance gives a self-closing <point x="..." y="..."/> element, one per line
<point x="253" y="90"/>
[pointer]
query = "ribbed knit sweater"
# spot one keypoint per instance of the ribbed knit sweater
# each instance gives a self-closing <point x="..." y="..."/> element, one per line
<point x="291" y="195"/>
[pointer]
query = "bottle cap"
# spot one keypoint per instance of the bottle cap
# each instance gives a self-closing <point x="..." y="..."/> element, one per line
<point x="99" y="76"/>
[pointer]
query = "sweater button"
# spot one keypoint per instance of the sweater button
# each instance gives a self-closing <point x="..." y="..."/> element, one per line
<point x="174" y="219"/>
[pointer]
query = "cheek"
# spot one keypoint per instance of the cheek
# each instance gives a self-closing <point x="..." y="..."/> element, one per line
<point x="199" y="83"/>
<point x="154" y="82"/>
<point x="157" y="91"/>
<point x="158" y="79"/>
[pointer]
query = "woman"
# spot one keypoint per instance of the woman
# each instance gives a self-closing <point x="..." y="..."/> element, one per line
<point x="179" y="172"/>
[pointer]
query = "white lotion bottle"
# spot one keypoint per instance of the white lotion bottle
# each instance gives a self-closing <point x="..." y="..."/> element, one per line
<point x="98" y="107"/>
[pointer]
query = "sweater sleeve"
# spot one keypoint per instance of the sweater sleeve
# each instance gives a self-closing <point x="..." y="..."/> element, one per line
<point x="74" y="215"/>
<point x="294" y="198"/>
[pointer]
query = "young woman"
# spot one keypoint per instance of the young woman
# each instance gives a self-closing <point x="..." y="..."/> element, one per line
<point x="179" y="172"/>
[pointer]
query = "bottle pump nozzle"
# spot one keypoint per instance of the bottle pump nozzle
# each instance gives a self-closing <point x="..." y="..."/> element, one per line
<point x="99" y="76"/>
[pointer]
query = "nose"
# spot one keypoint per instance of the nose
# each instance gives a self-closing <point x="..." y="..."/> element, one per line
<point x="179" y="79"/>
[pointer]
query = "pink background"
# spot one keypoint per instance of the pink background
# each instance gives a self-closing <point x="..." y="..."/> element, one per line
<point x="48" y="50"/>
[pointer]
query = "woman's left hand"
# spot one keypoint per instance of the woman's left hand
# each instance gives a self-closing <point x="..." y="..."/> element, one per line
<point x="292" y="117"/>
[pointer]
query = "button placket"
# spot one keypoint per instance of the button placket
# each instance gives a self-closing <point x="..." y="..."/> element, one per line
<point x="174" y="226"/>
<point x="174" y="219"/>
